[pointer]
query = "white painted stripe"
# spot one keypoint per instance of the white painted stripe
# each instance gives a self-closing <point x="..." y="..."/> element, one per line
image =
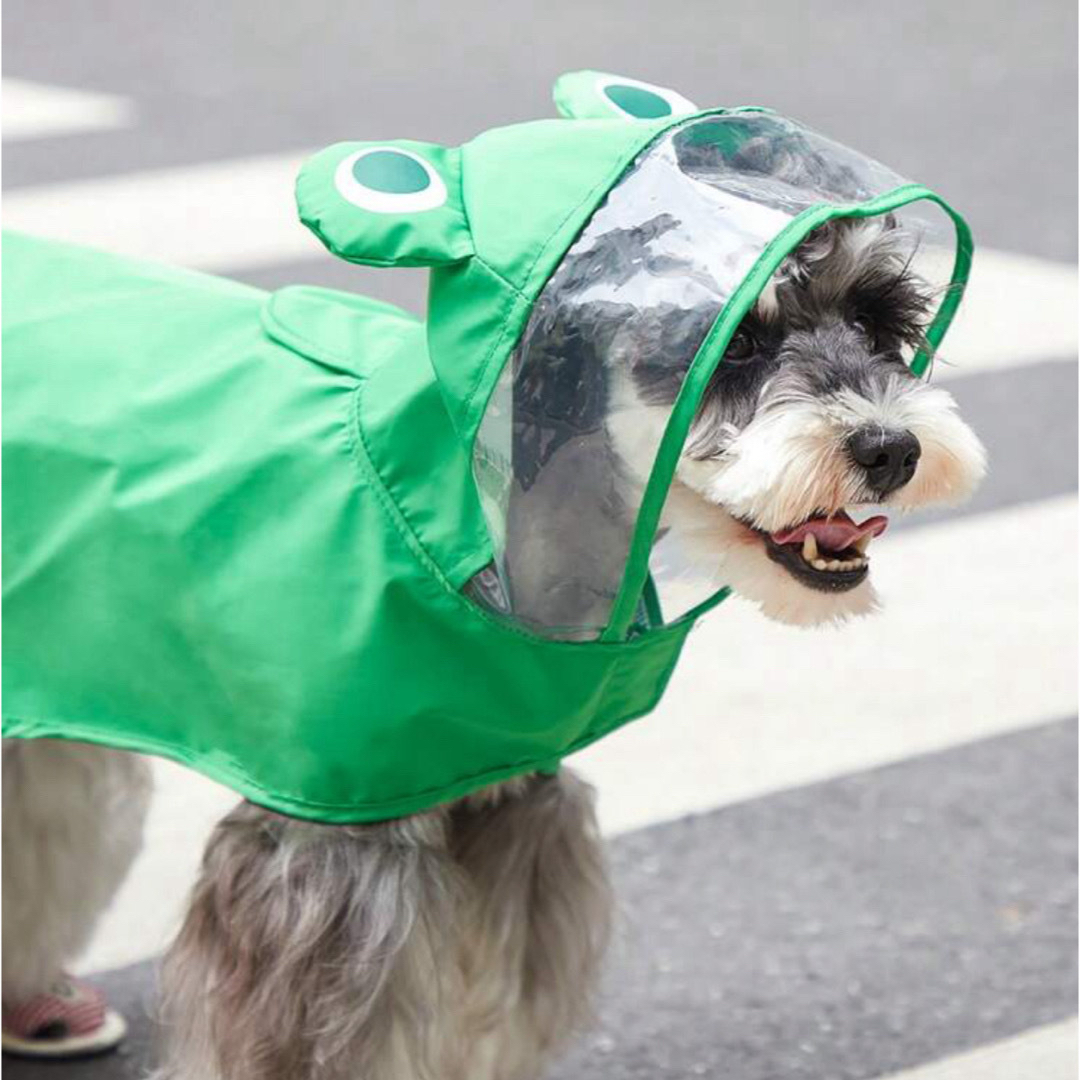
<point x="148" y="908"/>
<point x="1017" y="310"/>
<point x="1046" y="1053"/>
<point x="967" y="646"/>
<point x="30" y="110"/>
<point x="240" y="214"/>
<point x="209" y="217"/>
<point x="754" y="708"/>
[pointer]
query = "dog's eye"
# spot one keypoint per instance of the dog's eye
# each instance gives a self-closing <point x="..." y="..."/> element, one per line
<point x="742" y="345"/>
<point x="864" y="325"/>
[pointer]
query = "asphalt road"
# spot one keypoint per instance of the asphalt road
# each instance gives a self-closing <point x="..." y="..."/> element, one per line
<point x="883" y="918"/>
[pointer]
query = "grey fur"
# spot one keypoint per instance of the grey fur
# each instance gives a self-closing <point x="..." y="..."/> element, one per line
<point x="539" y="912"/>
<point x="455" y="945"/>
<point x="73" y="822"/>
<point x="846" y="315"/>
<point x="318" y="952"/>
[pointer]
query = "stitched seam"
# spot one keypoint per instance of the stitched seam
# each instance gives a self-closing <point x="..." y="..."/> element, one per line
<point x="602" y="186"/>
<point x="361" y="455"/>
<point x="501" y="277"/>
<point x="184" y="756"/>
<point x="309" y="347"/>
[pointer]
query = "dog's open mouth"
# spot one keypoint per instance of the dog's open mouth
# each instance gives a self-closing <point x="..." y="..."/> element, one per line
<point x="826" y="553"/>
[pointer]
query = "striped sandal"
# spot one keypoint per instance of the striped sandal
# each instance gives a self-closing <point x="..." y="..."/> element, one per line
<point x="69" y="1020"/>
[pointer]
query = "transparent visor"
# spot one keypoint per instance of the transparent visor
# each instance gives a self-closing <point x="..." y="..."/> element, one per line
<point x="573" y="426"/>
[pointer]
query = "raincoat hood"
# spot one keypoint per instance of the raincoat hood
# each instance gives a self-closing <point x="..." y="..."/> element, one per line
<point x="353" y="564"/>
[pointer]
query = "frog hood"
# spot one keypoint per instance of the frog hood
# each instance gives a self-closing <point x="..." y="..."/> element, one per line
<point x="637" y="226"/>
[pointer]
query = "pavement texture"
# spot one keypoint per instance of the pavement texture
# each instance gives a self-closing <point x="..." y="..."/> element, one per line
<point x="980" y="108"/>
<point x="874" y="922"/>
<point x="842" y="930"/>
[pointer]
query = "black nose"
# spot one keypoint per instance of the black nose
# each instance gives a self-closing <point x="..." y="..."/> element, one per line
<point x="888" y="457"/>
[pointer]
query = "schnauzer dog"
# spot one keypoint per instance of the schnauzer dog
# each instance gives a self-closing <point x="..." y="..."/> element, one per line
<point x="464" y="943"/>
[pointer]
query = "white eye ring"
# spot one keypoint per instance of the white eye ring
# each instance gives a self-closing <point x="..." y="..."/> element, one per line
<point x="389" y="202"/>
<point x="676" y="102"/>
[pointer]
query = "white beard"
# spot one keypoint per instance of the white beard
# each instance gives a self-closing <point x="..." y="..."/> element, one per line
<point x="783" y="467"/>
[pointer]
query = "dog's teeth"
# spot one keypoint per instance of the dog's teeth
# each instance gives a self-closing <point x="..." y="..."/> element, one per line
<point x="863" y="543"/>
<point x="809" y="548"/>
<point x="820" y="564"/>
<point x="834" y="564"/>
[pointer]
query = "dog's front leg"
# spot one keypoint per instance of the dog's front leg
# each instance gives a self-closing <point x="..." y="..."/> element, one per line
<point x="540" y="912"/>
<point x="318" y="952"/>
<point x="73" y="823"/>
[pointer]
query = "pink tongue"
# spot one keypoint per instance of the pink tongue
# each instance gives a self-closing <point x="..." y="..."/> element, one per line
<point x="834" y="533"/>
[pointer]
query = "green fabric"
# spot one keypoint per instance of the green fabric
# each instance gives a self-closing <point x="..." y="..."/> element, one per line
<point x="236" y="530"/>
<point x="517" y="198"/>
<point x="238" y="524"/>
<point x="394" y="233"/>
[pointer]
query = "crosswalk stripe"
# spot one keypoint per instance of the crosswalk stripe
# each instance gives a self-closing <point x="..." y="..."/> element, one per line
<point x="32" y="110"/>
<point x="228" y="215"/>
<point x="208" y="216"/>
<point x="1045" y="1053"/>
<point x="755" y="707"/>
<point x="783" y="707"/>
<point x="1017" y="310"/>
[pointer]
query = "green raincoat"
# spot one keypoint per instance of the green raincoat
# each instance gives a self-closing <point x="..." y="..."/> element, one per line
<point x="271" y="536"/>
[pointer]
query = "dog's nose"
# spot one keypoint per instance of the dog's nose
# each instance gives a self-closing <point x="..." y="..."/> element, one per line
<point x="887" y="457"/>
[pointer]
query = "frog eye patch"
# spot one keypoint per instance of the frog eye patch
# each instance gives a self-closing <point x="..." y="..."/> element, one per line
<point x="389" y="180"/>
<point x="386" y="204"/>
<point x="599" y="95"/>
<point x="637" y="100"/>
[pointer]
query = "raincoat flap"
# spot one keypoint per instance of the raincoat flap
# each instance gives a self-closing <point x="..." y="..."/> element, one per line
<point x="333" y="328"/>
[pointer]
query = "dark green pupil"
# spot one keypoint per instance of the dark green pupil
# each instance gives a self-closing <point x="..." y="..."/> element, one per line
<point x="641" y="104"/>
<point x="391" y="172"/>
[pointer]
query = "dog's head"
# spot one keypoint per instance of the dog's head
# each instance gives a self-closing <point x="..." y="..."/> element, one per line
<point x="811" y="424"/>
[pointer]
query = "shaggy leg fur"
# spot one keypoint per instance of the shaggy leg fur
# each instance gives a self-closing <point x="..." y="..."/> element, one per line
<point x="318" y="952"/>
<point x="73" y="817"/>
<point x="539" y="918"/>
<point x="456" y="945"/>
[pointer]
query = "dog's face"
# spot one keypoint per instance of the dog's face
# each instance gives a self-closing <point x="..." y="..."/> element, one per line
<point x="812" y="418"/>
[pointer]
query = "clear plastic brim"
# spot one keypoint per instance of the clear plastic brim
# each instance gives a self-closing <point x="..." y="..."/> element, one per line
<point x="568" y="450"/>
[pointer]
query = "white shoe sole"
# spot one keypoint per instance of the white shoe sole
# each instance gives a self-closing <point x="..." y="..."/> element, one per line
<point x="108" y="1036"/>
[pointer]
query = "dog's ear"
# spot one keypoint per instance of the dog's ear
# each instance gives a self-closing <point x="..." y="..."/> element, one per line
<point x="597" y="95"/>
<point x="386" y="204"/>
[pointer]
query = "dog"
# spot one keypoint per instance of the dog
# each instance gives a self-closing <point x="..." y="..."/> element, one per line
<point x="465" y="943"/>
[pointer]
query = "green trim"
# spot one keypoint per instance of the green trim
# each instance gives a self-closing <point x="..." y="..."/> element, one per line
<point x="653" y="610"/>
<point x="965" y="249"/>
<point x="705" y="606"/>
<point x="711" y="353"/>
<point x="550" y="255"/>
